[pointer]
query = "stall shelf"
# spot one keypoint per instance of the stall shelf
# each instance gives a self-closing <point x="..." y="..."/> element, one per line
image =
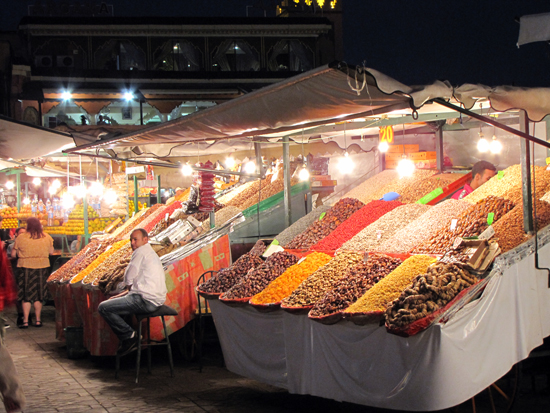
<point x="439" y="368"/>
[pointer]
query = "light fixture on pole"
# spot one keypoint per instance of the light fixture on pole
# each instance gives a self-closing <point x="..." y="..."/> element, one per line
<point x="482" y="145"/>
<point x="36" y="181"/>
<point x="230" y="162"/>
<point x="495" y="146"/>
<point x="303" y="175"/>
<point x="405" y="167"/>
<point x="250" y="167"/>
<point x="186" y="170"/>
<point x="10" y="185"/>
<point x="345" y="164"/>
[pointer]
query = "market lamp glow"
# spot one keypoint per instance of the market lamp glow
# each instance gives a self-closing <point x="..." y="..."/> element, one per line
<point x="26" y="201"/>
<point x="110" y="197"/>
<point x="383" y="146"/>
<point x="96" y="188"/>
<point x="56" y="183"/>
<point x="10" y="185"/>
<point x="78" y="191"/>
<point x="303" y="175"/>
<point x="186" y="170"/>
<point x="482" y="144"/>
<point x="495" y="146"/>
<point x="36" y="181"/>
<point x="67" y="201"/>
<point x="405" y="167"/>
<point x="345" y="165"/>
<point x="230" y="162"/>
<point x="250" y="167"/>
<point x="52" y="190"/>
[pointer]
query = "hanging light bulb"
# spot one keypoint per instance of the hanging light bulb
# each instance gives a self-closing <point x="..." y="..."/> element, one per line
<point x="67" y="201"/>
<point x="10" y="185"/>
<point x="36" y="181"/>
<point x="482" y="144"/>
<point x="96" y="188"/>
<point x="405" y="167"/>
<point x="345" y="165"/>
<point x="186" y="170"/>
<point x="383" y="146"/>
<point x="250" y="167"/>
<point x="303" y="175"/>
<point x="26" y="201"/>
<point x="495" y="146"/>
<point x="56" y="183"/>
<point x="52" y="190"/>
<point x="110" y="197"/>
<point x="229" y="162"/>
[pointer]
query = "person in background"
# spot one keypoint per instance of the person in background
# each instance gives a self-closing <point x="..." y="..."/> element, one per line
<point x="145" y="291"/>
<point x="33" y="249"/>
<point x="18" y="304"/>
<point x="482" y="171"/>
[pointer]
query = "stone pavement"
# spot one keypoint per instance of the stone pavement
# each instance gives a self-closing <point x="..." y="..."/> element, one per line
<point x="55" y="383"/>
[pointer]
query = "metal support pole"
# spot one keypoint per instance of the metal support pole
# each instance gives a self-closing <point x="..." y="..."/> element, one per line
<point x="141" y="111"/>
<point x="85" y="210"/>
<point x="212" y="219"/>
<point x="528" y="222"/>
<point x="136" y="205"/>
<point x="158" y="189"/>
<point x="439" y="147"/>
<point x="18" y="187"/>
<point x="286" y="180"/>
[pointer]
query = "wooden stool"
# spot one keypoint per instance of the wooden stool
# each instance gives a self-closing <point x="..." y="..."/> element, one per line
<point x="160" y="312"/>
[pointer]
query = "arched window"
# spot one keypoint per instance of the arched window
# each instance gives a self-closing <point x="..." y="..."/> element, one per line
<point x="179" y="56"/>
<point x="61" y="53"/>
<point x="235" y="56"/>
<point x="290" y="56"/>
<point x="120" y="55"/>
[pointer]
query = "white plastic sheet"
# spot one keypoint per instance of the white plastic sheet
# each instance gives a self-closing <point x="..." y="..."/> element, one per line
<point x="366" y="365"/>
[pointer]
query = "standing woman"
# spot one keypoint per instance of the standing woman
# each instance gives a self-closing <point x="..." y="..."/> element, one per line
<point x="33" y="249"/>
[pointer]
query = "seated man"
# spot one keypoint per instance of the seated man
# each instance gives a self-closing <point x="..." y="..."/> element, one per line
<point x="145" y="291"/>
<point x="482" y="171"/>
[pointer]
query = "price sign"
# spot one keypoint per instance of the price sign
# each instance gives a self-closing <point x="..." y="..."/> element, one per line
<point x="386" y="134"/>
<point x="453" y="223"/>
<point x="322" y="216"/>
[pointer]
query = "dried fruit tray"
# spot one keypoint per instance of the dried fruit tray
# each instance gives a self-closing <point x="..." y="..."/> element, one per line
<point x="235" y="302"/>
<point x="363" y="318"/>
<point x="207" y="295"/>
<point x="266" y="308"/>
<point x="297" y="310"/>
<point x="422" y="324"/>
<point x="328" y="319"/>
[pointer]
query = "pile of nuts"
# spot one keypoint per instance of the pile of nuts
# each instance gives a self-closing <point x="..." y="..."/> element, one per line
<point x="142" y="220"/>
<point x="377" y="299"/>
<point x="356" y="282"/>
<point x="541" y="178"/>
<point x="322" y="280"/>
<point x="425" y="226"/>
<point x="250" y="191"/>
<point x="341" y="211"/>
<point x="84" y="274"/>
<point x="90" y="255"/>
<point x="301" y="225"/>
<point x="259" y="278"/>
<point x="384" y="228"/>
<point x="62" y="272"/>
<point x="401" y="184"/>
<point x="357" y="222"/>
<point x="221" y="217"/>
<point x="511" y="178"/>
<point x="471" y="223"/>
<point x="227" y="199"/>
<point x="414" y="192"/>
<point x="107" y="281"/>
<point x="228" y="277"/>
<point x="283" y="286"/>
<point x="428" y="293"/>
<point x="364" y="191"/>
<point x="203" y="216"/>
<point x="509" y="231"/>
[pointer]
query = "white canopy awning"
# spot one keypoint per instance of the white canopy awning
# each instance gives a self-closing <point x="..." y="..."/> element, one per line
<point x="19" y="140"/>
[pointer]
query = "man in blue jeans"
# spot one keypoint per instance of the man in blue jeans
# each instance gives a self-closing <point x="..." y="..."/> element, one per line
<point x="145" y="291"/>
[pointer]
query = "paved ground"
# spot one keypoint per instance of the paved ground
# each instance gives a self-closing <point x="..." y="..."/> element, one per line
<point x="55" y="383"/>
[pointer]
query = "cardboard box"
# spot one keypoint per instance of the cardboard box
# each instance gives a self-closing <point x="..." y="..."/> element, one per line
<point x="421" y="155"/>
<point x="411" y="148"/>
<point x="391" y="164"/>
<point x="393" y="156"/>
<point x="323" y="183"/>
<point x="395" y="149"/>
<point x="320" y="177"/>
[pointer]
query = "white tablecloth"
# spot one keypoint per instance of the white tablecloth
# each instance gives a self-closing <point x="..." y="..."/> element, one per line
<point x="436" y="369"/>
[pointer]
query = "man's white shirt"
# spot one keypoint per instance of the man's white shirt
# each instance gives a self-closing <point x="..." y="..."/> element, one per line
<point x="146" y="276"/>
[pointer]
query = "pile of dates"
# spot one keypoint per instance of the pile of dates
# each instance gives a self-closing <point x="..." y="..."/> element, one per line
<point x="228" y="277"/>
<point x="341" y="211"/>
<point x="428" y="293"/>
<point x="259" y="278"/>
<point x="357" y="282"/>
<point x="471" y="223"/>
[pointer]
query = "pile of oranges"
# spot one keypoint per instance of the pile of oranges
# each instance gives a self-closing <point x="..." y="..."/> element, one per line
<point x="9" y="215"/>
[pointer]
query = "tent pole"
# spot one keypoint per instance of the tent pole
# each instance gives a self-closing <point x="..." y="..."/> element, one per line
<point x="439" y="147"/>
<point x="525" y="160"/>
<point x="286" y="179"/>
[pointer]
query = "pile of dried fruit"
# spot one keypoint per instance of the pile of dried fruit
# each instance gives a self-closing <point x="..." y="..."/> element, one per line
<point x="509" y="231"/>
<point x="258" y="248"/>
<point x="497" y="186"/>
<point x="162" y="215"/>
<point x="428" y="293"/>
<point x="131" y="222"/>
<point x="471" y="223"/>
<point x="203" y="216"/>
<point x="324" y="279"/>
<point x="354" y="284"/>
<point x="354" y="224"/>
<point x="62" y="272"/>
<point x="228" y="277"/>
<point x="227" y="199"/>
<point x="116" y="265"/>
<point x="341" y="211"/>
<point x="377" y="299"/>
<point x="424" y="227"/>
<point x="541" y="178"/>
<point x="70" y="269"/>
<point x="401" y="184"/>
<point x="363" y="191"/>
<point x="384" y="228"/>
<point x="259" y="278"/>
<point x="137" y="223"/>
<point x="282" y="286"/>
<point x="99" y="260"/>
<point x="301" y="225"/>
<point x="414" y="192"/>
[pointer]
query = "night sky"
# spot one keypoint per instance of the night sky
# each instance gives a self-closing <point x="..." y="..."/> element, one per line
<point x="415" y="41"/>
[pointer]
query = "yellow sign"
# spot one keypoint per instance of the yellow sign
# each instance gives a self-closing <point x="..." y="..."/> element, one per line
<point x="386" y="134"/>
